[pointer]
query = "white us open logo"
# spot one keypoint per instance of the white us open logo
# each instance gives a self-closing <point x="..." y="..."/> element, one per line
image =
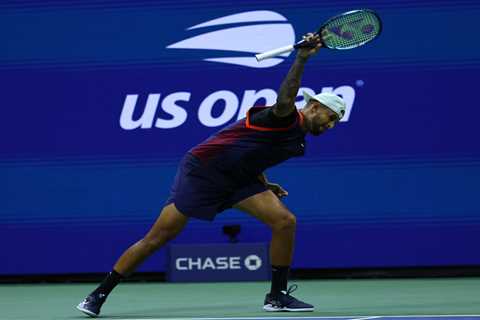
<point x="267" y="30"/>
<point x="252" y="262"/>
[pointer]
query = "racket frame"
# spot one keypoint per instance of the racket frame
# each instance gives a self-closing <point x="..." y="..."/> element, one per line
<point x="302" y="44"/>
<point x="320" y="30"/>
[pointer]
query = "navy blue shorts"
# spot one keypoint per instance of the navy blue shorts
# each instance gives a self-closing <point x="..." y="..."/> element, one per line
<point x="202" y="192"/>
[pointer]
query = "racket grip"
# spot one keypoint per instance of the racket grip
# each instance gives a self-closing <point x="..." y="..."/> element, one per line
<point x="274" y="52"/>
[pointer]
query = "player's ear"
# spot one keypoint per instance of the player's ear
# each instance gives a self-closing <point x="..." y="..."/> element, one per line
<point x="315" y="107"/>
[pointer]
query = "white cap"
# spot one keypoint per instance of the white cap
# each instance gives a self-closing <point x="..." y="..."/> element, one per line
<point x="329" y="100"/>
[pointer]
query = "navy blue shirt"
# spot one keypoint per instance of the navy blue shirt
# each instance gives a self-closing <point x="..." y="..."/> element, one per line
<point x="249" y="146"/>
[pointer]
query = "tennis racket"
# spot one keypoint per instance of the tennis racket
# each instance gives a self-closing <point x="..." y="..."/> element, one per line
<point x="348" y="30"/>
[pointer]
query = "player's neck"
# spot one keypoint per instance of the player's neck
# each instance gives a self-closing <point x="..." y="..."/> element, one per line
<point x="304" y="122"/>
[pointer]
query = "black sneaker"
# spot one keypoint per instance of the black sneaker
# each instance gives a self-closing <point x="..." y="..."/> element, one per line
<point x="92" y="304"/>
<point x="285" y="302"/>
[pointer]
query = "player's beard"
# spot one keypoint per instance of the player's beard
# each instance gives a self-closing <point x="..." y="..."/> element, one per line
<point x="318" y="130"/>
<point x="315" y="126"/>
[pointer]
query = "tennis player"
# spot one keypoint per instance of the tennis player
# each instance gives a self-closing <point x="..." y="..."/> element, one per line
<point x="226" y="171"/>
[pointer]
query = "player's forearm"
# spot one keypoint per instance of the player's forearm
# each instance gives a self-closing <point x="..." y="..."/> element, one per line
<point x="289" y="87"/>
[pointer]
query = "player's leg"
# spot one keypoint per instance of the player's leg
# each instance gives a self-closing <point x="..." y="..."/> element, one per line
<point x="168" y="226"/>
<point x="266" y="207"/>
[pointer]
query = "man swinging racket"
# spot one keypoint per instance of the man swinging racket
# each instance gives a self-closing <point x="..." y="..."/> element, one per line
<point x="226" y="171"/>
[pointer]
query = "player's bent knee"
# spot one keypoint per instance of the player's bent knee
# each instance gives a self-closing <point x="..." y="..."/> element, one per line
<point x="153" y="243"/>
<point x="287" y="222"/>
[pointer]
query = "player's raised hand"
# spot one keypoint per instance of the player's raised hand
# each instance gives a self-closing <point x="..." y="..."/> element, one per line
<point x="312" y="45"/>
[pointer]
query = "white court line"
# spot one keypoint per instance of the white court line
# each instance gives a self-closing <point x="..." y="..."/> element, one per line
<point x="366" y="318"/>
<point x="313" y="317"/>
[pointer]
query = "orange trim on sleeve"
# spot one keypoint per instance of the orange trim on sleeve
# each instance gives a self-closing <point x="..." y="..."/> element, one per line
<point x="300" y="115"/>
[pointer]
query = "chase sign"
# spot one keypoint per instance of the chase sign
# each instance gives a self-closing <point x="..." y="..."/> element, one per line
<point x="218" y="262"/>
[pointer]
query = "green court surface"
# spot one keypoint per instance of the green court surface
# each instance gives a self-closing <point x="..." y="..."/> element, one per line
<point x="349" y="298"/>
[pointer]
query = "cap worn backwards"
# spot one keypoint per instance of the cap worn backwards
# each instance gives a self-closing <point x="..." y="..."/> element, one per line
<point x="329" y="100"/>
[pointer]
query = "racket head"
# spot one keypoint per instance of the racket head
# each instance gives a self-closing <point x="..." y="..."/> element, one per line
<point x="351" y="29"/>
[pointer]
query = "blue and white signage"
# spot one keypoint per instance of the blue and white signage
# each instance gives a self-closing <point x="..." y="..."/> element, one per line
<point x="218" y="262"/>
<point x="100" y="99"/>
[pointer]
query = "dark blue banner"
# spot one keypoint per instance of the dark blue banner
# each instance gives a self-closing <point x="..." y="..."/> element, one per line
<point x="100" y="100"/>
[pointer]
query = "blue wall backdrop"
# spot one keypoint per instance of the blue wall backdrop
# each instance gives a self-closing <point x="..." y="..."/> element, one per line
<point x="100" y="99"/>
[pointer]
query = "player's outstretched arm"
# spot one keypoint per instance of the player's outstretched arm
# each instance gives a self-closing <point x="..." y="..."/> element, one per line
<point x="287" y="93"/>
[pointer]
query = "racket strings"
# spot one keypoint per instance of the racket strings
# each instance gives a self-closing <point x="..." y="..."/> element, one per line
<point x="351" y="30"/>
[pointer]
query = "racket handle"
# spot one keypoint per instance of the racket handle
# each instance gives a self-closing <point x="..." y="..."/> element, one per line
<point x="274" y="52"/>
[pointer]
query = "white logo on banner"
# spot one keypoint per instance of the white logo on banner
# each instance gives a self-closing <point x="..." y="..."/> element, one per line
<point x="234" y="106"/>
<point x="273" y="32"/>
<point x="252" y="262"/>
